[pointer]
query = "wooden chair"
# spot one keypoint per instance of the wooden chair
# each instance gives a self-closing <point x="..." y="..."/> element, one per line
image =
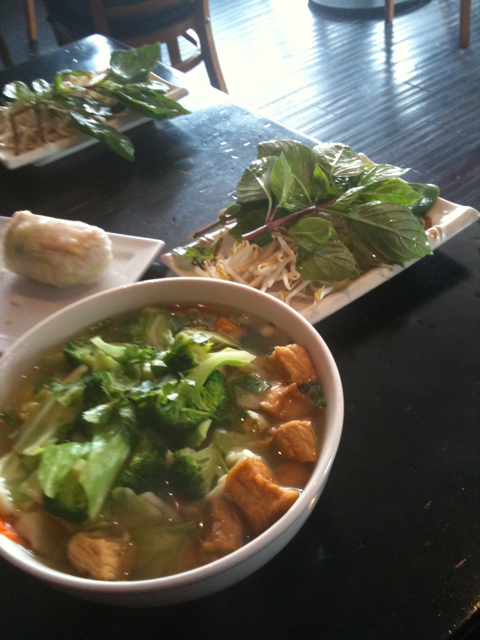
<point x="465" y="11"/>
<point x="196" y="20"/>
<point x="31" y="19"/>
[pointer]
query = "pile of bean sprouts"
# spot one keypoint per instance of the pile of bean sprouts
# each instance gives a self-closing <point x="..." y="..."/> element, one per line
<point x="270" y="268"/>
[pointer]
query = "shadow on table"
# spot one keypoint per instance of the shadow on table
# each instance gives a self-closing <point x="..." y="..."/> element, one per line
<point x="390" y="304"/>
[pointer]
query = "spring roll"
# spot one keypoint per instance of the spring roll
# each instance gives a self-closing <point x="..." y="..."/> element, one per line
<point x="58" y="252"/>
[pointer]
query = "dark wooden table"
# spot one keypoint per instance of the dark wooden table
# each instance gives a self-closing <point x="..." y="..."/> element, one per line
<point x="392" y="551"/>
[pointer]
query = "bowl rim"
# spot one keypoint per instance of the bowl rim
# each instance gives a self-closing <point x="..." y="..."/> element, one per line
<point x="304" y="503"/>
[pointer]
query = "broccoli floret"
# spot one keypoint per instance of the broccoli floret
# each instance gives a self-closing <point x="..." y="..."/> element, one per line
<point x="78" y="352"/>
<point x="70" y="503"/>
<point x="178" y="409"/>
<point x="145" y="472"/>
<point x="180" y="359"/>
<point x="189" y="348"/>
<point x="95" y="389"/>
<point x="213" y="361"/>
<point x="130" y="359"/>
<point x="192" y="472"/>
<point x="214" y="394"/>
<point x="177" y="422"/>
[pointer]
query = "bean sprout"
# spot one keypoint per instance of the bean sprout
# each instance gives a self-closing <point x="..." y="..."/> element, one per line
<point x="271" y="268"/>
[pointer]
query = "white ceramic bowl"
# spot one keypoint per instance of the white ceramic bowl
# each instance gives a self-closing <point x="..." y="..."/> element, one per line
<point x="232" y="568"/>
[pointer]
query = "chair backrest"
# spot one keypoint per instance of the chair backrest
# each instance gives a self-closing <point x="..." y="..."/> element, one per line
<point x="101" y="14"/>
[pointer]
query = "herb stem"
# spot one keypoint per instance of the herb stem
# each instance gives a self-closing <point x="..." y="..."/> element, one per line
<point x="271" y="225"/>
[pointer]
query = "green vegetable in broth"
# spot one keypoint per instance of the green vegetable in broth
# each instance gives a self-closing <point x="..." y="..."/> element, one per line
<point x="134" y="433"/>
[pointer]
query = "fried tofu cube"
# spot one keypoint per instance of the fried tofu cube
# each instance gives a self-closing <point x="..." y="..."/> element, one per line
<point x="295" y="362"/>
<point x="223" y="325"/>
<point x="285" y="402"/>
<point x="261" y="500"/>
<point x="102" y="557"/>
<point x="226" y="529"/>
<point x="296" y="440"/>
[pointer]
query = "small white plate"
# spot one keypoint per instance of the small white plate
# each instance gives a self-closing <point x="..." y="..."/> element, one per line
<point x="447" y="219"/>
<point x="24" y="302"/>
<point x="53" y="151"/>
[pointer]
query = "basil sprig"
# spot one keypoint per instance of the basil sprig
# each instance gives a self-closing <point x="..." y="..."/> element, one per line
<point x="126" y="85"/>
<point x="307" y="195"/>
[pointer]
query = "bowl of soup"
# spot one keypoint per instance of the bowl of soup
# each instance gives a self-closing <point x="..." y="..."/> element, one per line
<point x="163" y="440"/>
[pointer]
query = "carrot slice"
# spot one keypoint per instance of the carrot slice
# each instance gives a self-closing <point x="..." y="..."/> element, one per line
<point x="7" y="531"/>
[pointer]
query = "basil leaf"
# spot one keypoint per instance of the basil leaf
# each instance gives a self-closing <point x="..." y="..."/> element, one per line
<point x="151" y="104"/>
<point x="378" y="172"/>
<point x="86" y="106"/>
<point x="322" y="188"/>
<point x="153" y="86"/>
<point x="347" y="200"/>
<point x="198" y="253"/>
<point x="387" y="233"/>
<point x="314" y="394"/>
<point x="339" y="160"/>
<point x="331" y="261"/>
<point x="385" y="191"/>
<point x="301" y="160"/>
<point x="309" y="231"/>
<point x="282" y="180"/>
<point x="41" y="86"/>
<point x="393" y="190"/>
<point x="234" y="210"/>
<point x="63" y="75"/>
<point x="249" y="384"/>
<point x="19" y="91"/>
<point x="115" y="140"/>
<point x="429" y="193"/>
<point x="255" y="183"/>
<point x="249" y="222"/>
<point x="135" y="64"/>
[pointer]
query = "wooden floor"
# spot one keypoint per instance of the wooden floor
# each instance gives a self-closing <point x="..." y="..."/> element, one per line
<point x="403" y="93"/>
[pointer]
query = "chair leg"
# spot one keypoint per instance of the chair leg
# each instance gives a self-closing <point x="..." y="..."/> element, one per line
<point x="31" y="19"/>
<point x="465" y="11"/>
<point x="174" y="53"/>
<point x="389" y="10"/>
<point x="4" y="54"/>
<point x="203" y="29"/>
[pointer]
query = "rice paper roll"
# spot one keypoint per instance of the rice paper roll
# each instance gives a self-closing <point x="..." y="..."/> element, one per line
<point x="58" y="252"/>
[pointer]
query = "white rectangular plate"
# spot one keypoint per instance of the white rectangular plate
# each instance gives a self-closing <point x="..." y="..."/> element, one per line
<point x="54" y="151"/>
<point x="24" y="302"/>
<point x="447" y="219"/>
